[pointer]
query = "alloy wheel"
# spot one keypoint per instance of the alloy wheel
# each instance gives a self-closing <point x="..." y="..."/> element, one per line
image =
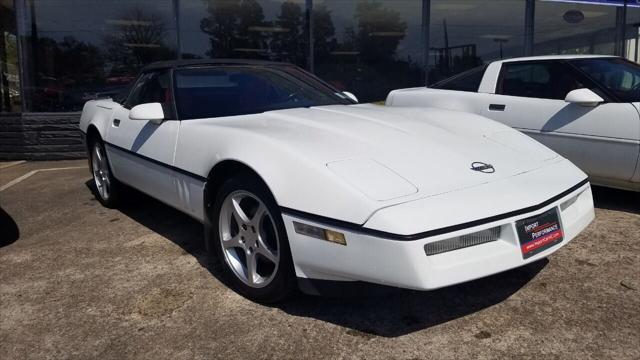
<point x="100" y="169"/>
<point x="250" y="242"/>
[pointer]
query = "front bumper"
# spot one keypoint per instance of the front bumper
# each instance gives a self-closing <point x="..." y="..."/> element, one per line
<point x="379" y="260"/>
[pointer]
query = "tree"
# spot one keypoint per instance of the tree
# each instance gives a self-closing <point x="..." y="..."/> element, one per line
<point x="222" y="27"/>
<point x="235" y="26"/>
<point x="324" y="33"/>
<point x="380" y="31"/>
<point x="288" y="35"/>
<point x="63" y="70"/>
<point x="68" y="62"/>
<point x="137" y="40"/>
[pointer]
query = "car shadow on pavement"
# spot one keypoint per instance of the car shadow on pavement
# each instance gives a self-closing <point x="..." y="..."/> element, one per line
<point x="615" y="199"/>
<point x="9" y="231"/>
<point x="388" y="313"/>
<point x="400" y="312"/>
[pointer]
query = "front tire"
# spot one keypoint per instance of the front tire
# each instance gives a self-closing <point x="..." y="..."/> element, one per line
<point x="249" y="242"/>
<point x="106" y="188"/>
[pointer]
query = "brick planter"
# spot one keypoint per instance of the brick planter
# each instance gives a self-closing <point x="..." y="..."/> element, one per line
<point x="40" y="136"/>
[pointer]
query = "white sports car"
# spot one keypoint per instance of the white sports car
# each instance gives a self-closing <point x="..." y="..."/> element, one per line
<point x="296" y="184"/>
<point x="586" y="108"/>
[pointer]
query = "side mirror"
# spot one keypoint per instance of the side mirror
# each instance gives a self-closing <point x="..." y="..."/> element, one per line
<point x="584" y="97"/>
<point x="151" y="111"/>
<point x="350" y="96"/>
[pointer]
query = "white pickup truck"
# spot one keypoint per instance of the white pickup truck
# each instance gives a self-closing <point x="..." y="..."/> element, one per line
<point x="587" y="108"/>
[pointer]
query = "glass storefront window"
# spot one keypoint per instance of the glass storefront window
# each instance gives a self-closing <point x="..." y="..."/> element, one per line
<point x="573" y="27"/>
<point x="250" y="29"/>
<point x="465" y="34"/>
<point x="632" y="32"/>
<point x="10" y="100"/>
<point x="78" y="50"/>
<point x="74" y="50"/>
<point x="368" y="47"/>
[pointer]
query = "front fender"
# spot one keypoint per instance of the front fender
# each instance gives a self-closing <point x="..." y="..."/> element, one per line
<point x="97" y="113"/>
<point x="296" y="180"/>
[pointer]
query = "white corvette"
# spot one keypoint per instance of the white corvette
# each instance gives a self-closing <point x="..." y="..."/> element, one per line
<point x="586" y="108"/>
<point x="295" y="183"/>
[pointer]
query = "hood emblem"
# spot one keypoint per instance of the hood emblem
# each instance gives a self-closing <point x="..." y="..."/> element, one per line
<point x="483" y="167"/>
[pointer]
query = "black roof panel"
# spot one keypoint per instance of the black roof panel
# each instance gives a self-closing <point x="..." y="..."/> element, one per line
<point x="203" y="62"/>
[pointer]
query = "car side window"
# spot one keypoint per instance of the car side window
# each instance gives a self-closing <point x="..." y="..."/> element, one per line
<point x="467" y="81"/>
<point x="618" y="76"/>
<point x="543" y="80"/>
<point x="134" y="93"/>
<point x="153" y="87"/>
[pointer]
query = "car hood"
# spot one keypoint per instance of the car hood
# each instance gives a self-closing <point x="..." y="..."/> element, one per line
<point x="390" y="153"/>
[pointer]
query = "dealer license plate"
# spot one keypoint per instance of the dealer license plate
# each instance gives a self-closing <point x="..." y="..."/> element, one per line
<point x="539" y="233"/>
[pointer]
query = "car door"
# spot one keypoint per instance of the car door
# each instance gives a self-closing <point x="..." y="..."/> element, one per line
<point x="602" y="140"/>
<point x="636" y="176"/>
<point x="142" y="151"/>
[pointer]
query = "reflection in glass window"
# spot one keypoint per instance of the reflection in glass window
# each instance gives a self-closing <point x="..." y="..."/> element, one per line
<point x="80" y="50"/>
<point x="248" y="29"/>
<point x="368" y="47"/>
<point x="574" y="28"/>
<point x="632" y="33"/>
<point x="466" y="34"/>
<point x="10" y="100"/>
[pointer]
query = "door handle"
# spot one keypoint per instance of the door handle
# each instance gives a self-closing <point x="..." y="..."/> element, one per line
<point x="116" y="122"/>
<point x="497" y="107"/>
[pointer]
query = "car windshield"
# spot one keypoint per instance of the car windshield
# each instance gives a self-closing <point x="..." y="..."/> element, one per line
<point x="207" y="92"/>
<point x="619" y="76"/>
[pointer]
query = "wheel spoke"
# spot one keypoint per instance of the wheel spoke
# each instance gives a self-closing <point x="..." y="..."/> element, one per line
<point x="264" y="250"/>
<point x="98" y="177"/>
<point x="251" y="268"/>
<point x="257" y="216"/>
<point x="239" y="214"/>
<point x="106" y="185"/>
<point x="233" y="242"/>
<point x="99" y="156"/>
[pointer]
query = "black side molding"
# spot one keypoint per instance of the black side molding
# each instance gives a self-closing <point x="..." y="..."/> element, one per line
<point x="159" y="163"/>
<point x="359" y="228"/>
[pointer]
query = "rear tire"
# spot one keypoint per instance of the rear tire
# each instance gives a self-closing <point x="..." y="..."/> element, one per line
<point x="106" y="188"/>
<point x="247" y="239"/>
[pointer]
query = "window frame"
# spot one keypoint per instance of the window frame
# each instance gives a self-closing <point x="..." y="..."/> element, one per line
<point x="173" y="113"/>
<point x="589" y="84"/>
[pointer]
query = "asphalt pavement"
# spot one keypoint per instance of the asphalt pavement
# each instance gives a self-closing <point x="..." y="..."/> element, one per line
<point x="81" y="281"/>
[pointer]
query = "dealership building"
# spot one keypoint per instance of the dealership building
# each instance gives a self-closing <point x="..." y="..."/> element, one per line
<point x="57" y="54"/>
